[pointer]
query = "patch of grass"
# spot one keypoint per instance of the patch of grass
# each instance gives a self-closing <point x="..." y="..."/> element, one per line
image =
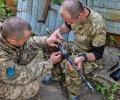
<point x="109" y="91"/>
<point x="58" y="2"/>
<point x="113" y="40"/>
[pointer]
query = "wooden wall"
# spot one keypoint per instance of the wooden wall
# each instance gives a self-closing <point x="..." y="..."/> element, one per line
<point x="31" y="10"/>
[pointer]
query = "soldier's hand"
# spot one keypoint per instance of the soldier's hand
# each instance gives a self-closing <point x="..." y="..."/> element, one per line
<point x="54" y="38"/>
<point x="56" y="57"/>
<point x="78" y="61"/>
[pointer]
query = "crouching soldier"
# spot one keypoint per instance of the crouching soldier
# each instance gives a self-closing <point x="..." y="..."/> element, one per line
<point x="87" y="48"/>
<point x="20" y="63"/>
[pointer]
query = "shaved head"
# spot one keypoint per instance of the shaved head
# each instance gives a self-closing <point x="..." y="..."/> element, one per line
<point x="73" y="7"/>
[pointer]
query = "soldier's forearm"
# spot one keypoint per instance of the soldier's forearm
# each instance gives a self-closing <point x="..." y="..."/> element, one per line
<point x="37" y="42"/>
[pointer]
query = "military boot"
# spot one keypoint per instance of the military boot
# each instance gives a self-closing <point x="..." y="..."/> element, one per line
<point x="48" y="80"/>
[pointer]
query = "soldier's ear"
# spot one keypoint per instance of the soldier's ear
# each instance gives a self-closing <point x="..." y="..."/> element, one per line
<point x="81" y="13"/>
<point x="11" y="41"/>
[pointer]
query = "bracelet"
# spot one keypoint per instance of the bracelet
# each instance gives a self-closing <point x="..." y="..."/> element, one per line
<point x="85" y="56"/>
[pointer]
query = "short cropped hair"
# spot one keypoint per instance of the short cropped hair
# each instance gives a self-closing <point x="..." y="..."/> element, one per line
<point x="73" y="7"/>
<point x="14" y="27"/>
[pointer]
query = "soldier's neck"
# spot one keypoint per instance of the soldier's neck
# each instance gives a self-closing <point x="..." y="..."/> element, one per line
<point x="86" y="13"/>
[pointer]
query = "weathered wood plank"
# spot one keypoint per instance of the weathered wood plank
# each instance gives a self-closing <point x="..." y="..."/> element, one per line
<point x="84" y="2"/>
<point x="44" y="10"/>
<point x="109" y="14"/>
<point x="24" y="9"/>
<point x="89" y="3"/>
<point x="34" y="14"/>
<point x="40" y="12"/>
<point x="29" y="11"/>
<point x="52" y="19"/>
<point x="59" y="19"/>
<point x="113" y="27"/>
<point x="49" y="23"/>
<point x="45" y="25"/>
<point x="19" y="7"/>
<point x="113" y="4"/>
<point x="112" y="18"/>
<point x="110" y="11"/>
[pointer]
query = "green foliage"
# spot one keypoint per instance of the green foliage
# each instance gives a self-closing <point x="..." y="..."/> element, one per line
<point x="111" y="39"/>
<point x="4" y="10"/>
<point x="57" y="1"/>
<point x="109" y="91"/>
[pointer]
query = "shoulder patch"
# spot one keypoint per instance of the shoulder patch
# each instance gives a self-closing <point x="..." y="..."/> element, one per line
<point x="10" y="71"/>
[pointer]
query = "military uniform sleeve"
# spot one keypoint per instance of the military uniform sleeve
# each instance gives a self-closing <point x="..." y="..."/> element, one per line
<point x="13" y="73"/>
<point x="99" y="34"/>
<point x="99" y="37"/>
<point x="37" y="42"/>
<point x="7" y="67"/>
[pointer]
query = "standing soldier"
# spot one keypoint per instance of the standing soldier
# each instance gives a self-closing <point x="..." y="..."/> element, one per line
<point x="88" y="45"/>
<point x="21" y="63"/>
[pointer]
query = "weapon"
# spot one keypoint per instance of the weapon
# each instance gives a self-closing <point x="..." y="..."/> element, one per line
<point x="69" y="59"/>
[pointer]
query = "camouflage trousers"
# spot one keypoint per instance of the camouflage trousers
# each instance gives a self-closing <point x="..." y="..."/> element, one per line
<point x="69" y="77"/>
<point x="17" y="92"/>
<point x="72" y="80"/>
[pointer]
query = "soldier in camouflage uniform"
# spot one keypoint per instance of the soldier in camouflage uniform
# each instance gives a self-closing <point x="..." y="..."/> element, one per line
<point x="21" y="60"/>
<point x="88" y="45"/>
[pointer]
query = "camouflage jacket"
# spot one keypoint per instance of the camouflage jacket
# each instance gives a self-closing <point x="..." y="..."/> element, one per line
<point x="91" y="33"/>
<point x="19" y="66"/>
<point x="88" y="34"/>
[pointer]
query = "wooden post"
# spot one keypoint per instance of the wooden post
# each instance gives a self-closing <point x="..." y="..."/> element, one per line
<point x="45" y="11"/>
